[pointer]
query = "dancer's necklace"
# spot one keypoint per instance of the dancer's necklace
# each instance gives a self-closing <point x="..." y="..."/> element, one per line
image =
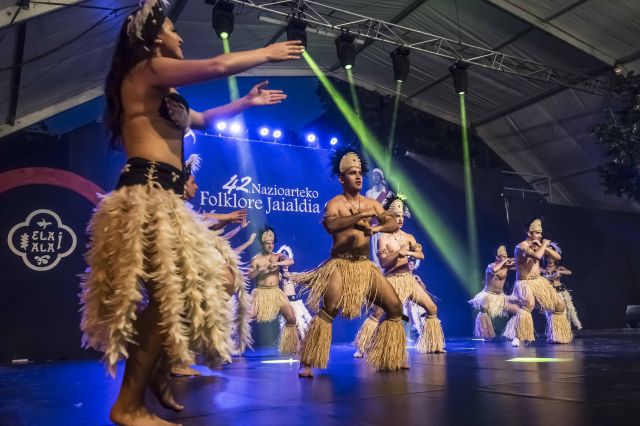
<point x="400" y="240"/>
<point x="357" y="209"/>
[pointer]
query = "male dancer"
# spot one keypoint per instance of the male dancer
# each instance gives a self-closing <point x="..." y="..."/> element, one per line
<point x="394" y="251"/>
<point x="530" y="288"/>
<point x="268" y="299"/>
<point x="348" y="279"/>
<point x="491" y="302"/>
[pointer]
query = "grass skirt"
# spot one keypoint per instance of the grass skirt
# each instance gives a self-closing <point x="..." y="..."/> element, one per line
<point x="143" y="236"/>
<point x="491" y="303"/>
<point x="267" y="302"/>
<point x="358" y="278"/>
<point x="404" y="284"/>
<point x="541" y="289"/>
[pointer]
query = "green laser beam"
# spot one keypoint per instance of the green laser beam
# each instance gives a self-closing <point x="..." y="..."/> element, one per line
<point x="247" y="166"/>
<point x="427" y="216"/>
<point x="472" y="231"/>
<point x="232" y="81"/>
<point x="394" y="120"/>
<point x="354" y="92"/>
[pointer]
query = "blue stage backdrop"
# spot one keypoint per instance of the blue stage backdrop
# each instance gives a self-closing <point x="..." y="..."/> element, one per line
<point x="48" y="189"/>
<point x="283" y="186"/>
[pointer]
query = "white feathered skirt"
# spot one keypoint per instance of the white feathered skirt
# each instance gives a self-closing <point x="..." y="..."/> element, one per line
<point x="144" y="235"/>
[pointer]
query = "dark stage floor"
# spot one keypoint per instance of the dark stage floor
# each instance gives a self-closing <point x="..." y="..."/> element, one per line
<point x="595" y="380"/>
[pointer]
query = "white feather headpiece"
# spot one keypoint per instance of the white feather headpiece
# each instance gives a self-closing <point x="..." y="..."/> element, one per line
<point x="138" y="19"/>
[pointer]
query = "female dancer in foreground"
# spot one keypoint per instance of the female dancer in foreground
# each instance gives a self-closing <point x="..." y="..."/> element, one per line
<point x="144" y="241"/>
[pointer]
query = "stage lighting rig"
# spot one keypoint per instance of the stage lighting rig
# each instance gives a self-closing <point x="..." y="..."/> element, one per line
<point x="222" y="18"/>
<point x="346" y="50"/>
<point x="297" y="30"/>
<point x="459" y="75"/>
<point x="401" y="64"/>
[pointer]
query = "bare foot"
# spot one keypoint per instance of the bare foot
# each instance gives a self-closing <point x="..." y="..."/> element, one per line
<point x="305" y="371"/>
<point x="184" y="371"/>
<point x="515" y="342"/>
<point x="137" y="417"/>
<point x="159" y="385"/>
<point x="358" y="354"/>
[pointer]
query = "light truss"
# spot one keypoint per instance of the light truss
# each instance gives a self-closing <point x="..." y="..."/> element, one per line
<point x="331" y="21"/>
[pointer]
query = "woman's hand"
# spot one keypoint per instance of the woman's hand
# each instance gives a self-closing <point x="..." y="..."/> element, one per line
<point x="284" y="51"/>
<point x="259" y="95"/>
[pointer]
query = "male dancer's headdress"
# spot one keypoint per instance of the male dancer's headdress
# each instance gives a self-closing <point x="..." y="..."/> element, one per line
<point x="286" y="250"/>
<point x="192" y="165"/>
<point x="268" y="234"/>
<point x="502" y="250"/>
<point x="345" y="158"/>
<point x="396" y="203"/>
<point x="146" y="22"/>
<point x="536" y="226"/>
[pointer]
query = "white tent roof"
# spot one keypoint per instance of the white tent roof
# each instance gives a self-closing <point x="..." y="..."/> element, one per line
<point x="536" y="127"/>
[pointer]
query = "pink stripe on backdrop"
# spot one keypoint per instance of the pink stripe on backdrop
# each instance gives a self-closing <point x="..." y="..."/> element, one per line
<point x="48" y="176"/>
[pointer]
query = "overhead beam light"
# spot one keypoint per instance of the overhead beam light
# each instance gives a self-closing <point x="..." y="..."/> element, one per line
<point x="346" y="50"/>
<point x="459" y="75"/>
<point x="401" y="64"/>
<point x="277" y="134"/>
<point x="264" y="132"/>
<point x="297" y="30"/>
<point x="222" y="18"/>
<point x="333" y="141"/>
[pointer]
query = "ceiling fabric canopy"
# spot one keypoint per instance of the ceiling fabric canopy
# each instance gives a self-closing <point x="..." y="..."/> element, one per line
<point x="56" y="57"/>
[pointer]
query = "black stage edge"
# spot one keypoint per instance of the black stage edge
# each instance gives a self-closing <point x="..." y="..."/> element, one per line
<point x="595" y="380"/>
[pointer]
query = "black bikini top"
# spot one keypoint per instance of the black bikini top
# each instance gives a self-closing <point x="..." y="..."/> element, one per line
<point x="175" y="109"/>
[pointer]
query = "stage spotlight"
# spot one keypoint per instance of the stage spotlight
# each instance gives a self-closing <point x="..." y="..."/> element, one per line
<point x="235" y="128"/>
<point x="401" y="65"/>
<point x="346" y="50"/>
<point x="264" y="131"/>
<point x="277" y="134"/>
<point x="221" y="126"/>
<point x="311" y="138"/>
<point x="459" y="74"/>
<point x="222" y="18"/>
<point x="333" y="141"/>
<point x="297" y="30"/>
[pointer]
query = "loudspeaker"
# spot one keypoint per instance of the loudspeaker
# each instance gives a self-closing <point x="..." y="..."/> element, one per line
<point x="632" y="317"/>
